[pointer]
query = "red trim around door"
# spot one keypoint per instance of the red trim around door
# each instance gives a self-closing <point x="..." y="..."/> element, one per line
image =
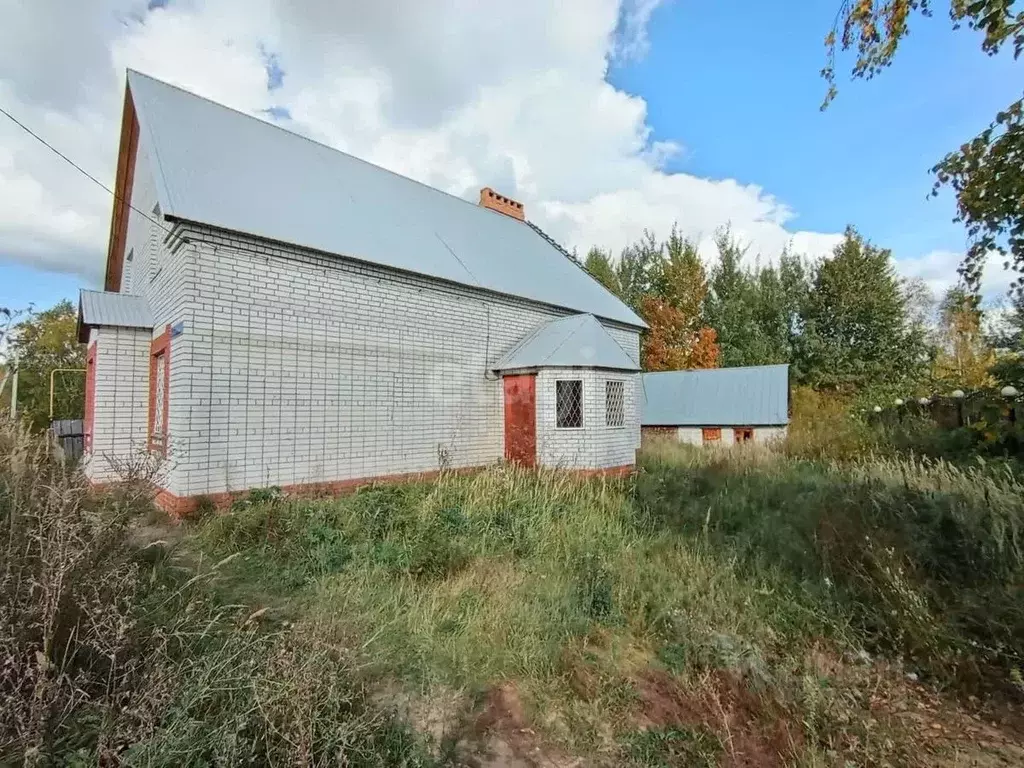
<point x="160" y="347"/>
<point x="521" y="419"/>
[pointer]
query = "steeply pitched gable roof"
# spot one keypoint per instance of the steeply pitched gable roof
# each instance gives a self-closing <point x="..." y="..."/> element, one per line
<point x="719" y="397"/>
<point x="220" y="167"/>
<point x="577" y="341"/>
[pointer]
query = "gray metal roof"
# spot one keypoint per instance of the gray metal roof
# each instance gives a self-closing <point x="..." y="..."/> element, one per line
<point x="726" y="397"/>
<point x="220" y="167"/>
<point x="121" y="310"/>
<point x="577" y="341"/>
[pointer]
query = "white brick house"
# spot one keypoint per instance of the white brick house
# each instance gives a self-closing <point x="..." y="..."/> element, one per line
<point x="288" y="315"/>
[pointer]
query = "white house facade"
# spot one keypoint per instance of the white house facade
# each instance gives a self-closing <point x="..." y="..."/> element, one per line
<point x="248" y="341"/>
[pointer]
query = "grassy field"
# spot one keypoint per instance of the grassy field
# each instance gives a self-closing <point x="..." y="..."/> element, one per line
<point x="736" y="608"/>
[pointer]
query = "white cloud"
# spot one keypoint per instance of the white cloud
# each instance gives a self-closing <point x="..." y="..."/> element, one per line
<point x="458" y="95"/>
<point x="938" y="269"/>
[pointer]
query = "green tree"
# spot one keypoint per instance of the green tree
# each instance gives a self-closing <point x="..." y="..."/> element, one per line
<point x="772" y="319"/>
<point x="795" y="279"/>
<point x="639" y="271"/>
<point x="730" y="304"/>
<point x="856" y="333"/>
<point x="964" y="357"/>
<point x="598" y="264"/>
<point x="1015" y="323"/>
<point x="675" y="338"/>
<point x="683" y="280"/>
<point x="41" y="343"/>
<point x="985" y="173"/>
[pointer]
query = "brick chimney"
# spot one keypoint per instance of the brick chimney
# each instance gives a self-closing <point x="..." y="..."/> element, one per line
<point x="506" y="205"/>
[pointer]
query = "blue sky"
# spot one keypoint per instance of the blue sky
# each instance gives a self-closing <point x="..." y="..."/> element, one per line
<point x="735" y="84"/>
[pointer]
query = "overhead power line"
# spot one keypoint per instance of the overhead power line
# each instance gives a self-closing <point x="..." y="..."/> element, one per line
<point x="79" y="168"/>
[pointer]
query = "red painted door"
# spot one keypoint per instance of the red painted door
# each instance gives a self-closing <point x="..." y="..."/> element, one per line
<point x="521" y="419"/>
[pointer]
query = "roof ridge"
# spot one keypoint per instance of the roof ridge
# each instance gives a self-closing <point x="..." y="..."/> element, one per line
<point x="582" y="319"/>
<point x="468" y="255"/>
<point x="728" y="368"/>
<point x="328" y="146"/>
<point x="523" y="341"/>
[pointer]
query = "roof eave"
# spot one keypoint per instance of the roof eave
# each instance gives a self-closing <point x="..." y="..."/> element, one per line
<point x="176" y="218"/>
<point x="533" y="368"/>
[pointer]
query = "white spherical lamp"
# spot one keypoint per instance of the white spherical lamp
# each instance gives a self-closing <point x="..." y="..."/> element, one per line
<point x="877" y="409"/>
<point x="1009" y="391"/>
<point x="899" y="401"/>
<point x="957" y="393"/>
<point x="924" y="401"/>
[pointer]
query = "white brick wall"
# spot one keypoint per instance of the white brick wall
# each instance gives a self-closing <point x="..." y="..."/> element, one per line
<point x="694" y="436"/>
<point x="162" y="269"/>
<point x="594" y="446"/>
<point x="296" y="367"/>
<point x="122" y="399"/>
<point x="769" y="434"/>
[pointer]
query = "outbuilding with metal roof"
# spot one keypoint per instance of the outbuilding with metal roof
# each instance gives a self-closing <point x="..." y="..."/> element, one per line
<point x="718" y="406"/>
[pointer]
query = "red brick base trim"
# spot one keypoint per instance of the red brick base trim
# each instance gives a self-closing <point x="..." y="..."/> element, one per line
<point x="621" y="471"/>
<point x="183" y="506"/>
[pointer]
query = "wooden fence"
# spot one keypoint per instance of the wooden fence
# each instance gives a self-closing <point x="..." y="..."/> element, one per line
<point x="70" y="436"/>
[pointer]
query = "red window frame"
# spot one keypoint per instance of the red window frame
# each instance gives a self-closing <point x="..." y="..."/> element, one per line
<point x="90" y="395"/>
<point x="711" y="434"/>
<point x="159" y="348"/>
<point x="743" y="434"/>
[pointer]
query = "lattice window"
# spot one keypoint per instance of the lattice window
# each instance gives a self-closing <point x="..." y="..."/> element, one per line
<point x="159" y="412"/>
<point x="569" y="404"/>
<point x="614" y="403"/>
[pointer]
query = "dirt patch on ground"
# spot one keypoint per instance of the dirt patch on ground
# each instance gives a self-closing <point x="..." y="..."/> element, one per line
<point x="946" y="733"/>
<point x="884" y="713"/>
<point x="754" y="731"/>
<point x="502" y="737"/>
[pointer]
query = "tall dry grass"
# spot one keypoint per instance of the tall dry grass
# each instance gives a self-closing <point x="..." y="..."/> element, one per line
<point x="68" y="584"/>
<point x="923" y="558"/>
<point x="116" y="649"/>
<point x="272" y="634"/>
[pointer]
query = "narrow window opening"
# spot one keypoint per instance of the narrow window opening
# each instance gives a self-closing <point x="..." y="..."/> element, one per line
<point x="159" y="382"/>
<point x="743" y="434"/>
<point x="569" y="404"/>
<point x="614" y="403"/>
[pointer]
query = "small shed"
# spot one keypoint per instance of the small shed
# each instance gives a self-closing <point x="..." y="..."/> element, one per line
<point x="719" y="406"/>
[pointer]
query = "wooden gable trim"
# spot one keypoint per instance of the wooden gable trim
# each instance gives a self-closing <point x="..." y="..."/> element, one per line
<point x="122" y="193"/>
